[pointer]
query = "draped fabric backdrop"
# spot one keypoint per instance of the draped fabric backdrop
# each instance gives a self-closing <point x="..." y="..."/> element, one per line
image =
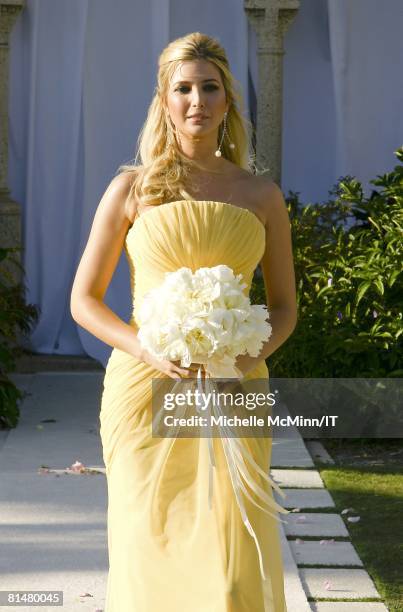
<point x="82" y="73"/>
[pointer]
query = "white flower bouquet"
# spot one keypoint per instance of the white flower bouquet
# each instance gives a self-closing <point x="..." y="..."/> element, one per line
<point x="203" y="317"/>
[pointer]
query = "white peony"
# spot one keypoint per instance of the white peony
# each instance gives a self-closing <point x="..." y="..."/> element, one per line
<point x="202" y="317"/>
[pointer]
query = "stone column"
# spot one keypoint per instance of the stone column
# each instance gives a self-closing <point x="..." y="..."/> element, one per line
<point x="270" y="20"/>
<point x="10" y="217"/>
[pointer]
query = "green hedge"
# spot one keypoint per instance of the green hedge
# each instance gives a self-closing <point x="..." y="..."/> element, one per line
<point x="348" y="264"/>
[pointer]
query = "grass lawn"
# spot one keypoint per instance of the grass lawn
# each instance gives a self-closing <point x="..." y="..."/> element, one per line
<point x="368" y="476"/>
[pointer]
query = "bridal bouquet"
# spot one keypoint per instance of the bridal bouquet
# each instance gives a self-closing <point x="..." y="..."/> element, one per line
<point x="203" y="317"/>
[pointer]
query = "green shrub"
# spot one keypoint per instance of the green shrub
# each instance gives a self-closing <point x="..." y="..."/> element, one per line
<point x="15" y="317"/>
<point x="348" y="265"/>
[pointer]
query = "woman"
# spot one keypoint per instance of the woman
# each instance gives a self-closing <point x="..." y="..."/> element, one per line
<point x="193" y="202"/>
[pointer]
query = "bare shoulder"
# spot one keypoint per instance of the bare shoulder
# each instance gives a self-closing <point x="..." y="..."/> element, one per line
<point x="119" y="190"/>
<point x="271" y="202"/>
<point x="122" y="182"/>
<point x="262" y="195"/>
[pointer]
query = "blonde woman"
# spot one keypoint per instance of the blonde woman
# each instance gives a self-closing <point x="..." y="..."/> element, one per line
<point x="194" y="201"/>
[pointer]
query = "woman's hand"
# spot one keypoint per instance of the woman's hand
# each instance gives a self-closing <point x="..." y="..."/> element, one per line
<point x="171" y="368"/>
<point x="246" y="363"/>
<point x="192" y="369"/>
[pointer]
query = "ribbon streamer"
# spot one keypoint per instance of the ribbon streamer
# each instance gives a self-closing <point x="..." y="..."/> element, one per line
<point x="212" y="463"/>
<point x="236" y="455"/>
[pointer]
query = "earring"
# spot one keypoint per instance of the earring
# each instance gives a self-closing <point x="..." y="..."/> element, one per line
<point x="224" y="132"/>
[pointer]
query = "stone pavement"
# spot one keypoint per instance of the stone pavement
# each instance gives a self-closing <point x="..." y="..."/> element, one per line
<point x="329" y="567"/>
<point x="53" y="524"/>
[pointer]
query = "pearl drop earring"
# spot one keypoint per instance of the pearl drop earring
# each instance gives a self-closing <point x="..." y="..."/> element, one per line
<point x="224" y="132"/>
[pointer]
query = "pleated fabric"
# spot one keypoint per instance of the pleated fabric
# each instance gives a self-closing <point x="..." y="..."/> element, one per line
<point x="168" y="551"/>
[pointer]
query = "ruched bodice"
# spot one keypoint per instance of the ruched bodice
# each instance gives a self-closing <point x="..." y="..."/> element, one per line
<point x="169" y="550"/>
<point x="194" y="234"/>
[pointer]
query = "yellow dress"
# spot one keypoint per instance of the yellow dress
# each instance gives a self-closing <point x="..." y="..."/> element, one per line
<point x="168" y="551"/>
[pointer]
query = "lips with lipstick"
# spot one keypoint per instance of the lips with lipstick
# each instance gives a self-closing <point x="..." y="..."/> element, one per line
<point x="198" y="116"/>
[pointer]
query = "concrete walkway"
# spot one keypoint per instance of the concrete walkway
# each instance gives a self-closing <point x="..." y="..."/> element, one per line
<point x="329" y="568"/>
<point x="53" y="524"/>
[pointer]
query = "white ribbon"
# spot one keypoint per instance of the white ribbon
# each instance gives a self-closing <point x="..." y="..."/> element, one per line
<point x="212" y="464"/>
<point x="235" y="455"/>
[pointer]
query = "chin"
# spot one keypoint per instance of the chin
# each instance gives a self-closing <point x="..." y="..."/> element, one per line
<point x="195" y="134"/>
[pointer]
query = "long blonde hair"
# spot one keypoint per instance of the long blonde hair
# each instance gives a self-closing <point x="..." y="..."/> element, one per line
<point x="161" y="177"/>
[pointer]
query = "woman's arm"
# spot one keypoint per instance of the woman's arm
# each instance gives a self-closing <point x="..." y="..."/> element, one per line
<point x="278" y="273"/>
<point x="96" y="268"/>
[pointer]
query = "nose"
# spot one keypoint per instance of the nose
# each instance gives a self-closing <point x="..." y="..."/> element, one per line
<point x="197" y="98"/>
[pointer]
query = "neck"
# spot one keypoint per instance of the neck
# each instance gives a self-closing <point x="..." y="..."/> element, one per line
<point x="201" y="150"/>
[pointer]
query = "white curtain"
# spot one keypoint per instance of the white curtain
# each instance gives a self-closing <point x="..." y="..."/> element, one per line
<point x="367" y="68"/>
<point x="82" y="73"/>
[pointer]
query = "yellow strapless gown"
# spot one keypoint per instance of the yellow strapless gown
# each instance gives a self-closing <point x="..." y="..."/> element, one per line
<point x="168" y="551"/>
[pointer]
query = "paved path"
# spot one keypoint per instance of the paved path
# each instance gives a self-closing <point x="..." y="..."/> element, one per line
<point x="53" y="525"/>
<point x="329" y="568"/>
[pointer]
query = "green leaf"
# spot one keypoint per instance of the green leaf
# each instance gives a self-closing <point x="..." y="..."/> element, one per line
<point x="392" y="278"/>
<point x="361" y="291"/>
<point x="379" y="285"/>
